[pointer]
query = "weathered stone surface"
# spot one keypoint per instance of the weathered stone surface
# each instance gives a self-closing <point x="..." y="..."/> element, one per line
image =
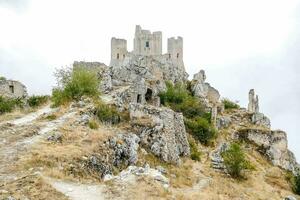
<point x="223" y="122"/>
<point x="217" y="161"/>
<point x="253" y="105"/>
<point x="125" y="151"/>
<point x="161" y="130"/>
<point x="290" y="198"/>
<point x="273" y="144"/>
<point x="202" y="89"/>
<point x="260" y="119"/>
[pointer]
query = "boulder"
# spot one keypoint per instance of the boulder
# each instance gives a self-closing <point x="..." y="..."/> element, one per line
<point x="161" y="130"/>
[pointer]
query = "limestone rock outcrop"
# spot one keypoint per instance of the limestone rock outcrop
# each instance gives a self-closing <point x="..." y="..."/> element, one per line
<point x="202" y="89"/>
<point x="161" y="130"/>
<point x="257" y="118"/>
<point x="272" y="144"/>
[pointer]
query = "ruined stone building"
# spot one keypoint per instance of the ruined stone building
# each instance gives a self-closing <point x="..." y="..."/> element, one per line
<point x="12" y="89"/>
<point x="146" y="44"/>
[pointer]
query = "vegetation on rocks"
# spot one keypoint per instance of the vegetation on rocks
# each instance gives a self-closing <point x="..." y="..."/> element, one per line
<point x="35" y="101"/>
<point x="195" y="154"/>
<point x="228" y="104"/>
<point x="235" y="161"/>
<point x="197" y="121"/>
<point x="109" y="114"/>
<point x="296" y="184"/>
<point x="74" y="84"/>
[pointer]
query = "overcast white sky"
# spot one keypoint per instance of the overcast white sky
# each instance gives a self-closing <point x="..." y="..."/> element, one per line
<point x="240" y="44"/>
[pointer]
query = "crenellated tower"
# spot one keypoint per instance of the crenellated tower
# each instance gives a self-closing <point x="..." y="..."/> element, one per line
<point x="147" y="43"/>
<point x="118" y="51"/>
<point x="175" y="49"/>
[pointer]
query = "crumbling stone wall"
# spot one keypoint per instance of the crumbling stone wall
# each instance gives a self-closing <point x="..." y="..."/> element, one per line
<point x="12" y="89"/>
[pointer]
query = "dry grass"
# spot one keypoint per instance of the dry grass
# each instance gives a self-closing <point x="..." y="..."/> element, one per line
<point x="17" y="113"/>
<point x="30" y="187"/>
<point x="58" y="160"/>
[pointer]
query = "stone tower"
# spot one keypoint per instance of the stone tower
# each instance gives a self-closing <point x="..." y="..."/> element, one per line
<point x="253" y="105"/>
<point x="175" y="49"/>
<point x="118" y="51"/>
<point x="147" y="43"/>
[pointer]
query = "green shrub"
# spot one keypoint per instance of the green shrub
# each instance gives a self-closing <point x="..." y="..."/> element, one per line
<point x="2" y="78"/>
<point x="195" y="154"/>
<point x="296" y="184"/>
<point x="93" y="124"/>
<point x="35" y="101"/>
<point x="59" y="97"/>
<point x="201" y="129"/>
<point x="73" y="85"/>
<point x="174" y="94"/>
<point x="108" y="113"/>
<point x="197" y="120"/>
<point x="51" y="117"/>
<point x="8" y="104"/>
<point x="235" y="161"/>
<point x="230" y="104"/>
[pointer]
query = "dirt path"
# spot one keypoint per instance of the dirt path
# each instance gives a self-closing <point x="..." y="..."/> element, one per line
<point x="76" y="191"/>
<point x="16" y="137"/>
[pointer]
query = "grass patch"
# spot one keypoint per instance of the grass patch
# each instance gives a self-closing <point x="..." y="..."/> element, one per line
<point x="195" y="154"/>
<point x="228" y="104"/>
<point x="93" y="124"/>
<point x="110" y="114"/>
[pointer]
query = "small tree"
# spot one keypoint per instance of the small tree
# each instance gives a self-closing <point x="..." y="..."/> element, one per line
<point x="235" y="161"/>
<point x="75" y="84"/>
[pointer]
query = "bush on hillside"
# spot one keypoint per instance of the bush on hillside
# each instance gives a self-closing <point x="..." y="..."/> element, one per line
<point x="109" y="114"/>
<point x="8" y="104"/>
<point x="235" y="161"/>
<point x="296" y="184"/>
<point x="35" y="101"/>
<point x="197" y="120"/>
<point x="73" y="85"/>
<point x="201" y="129"/>
<point x="230" y="104"/>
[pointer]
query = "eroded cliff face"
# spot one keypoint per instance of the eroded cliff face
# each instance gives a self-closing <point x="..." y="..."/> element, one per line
<point x="161" y="130"/>
<point x="272" y="144"/>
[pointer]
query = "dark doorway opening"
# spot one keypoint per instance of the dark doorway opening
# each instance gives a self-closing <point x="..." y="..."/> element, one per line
<point x="11" y="89"/>
<point x="139" y="98"/>
<point x="148" y="95"/>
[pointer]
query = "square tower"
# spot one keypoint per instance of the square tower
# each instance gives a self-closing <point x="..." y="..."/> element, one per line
<point x="118" y="51"/>
<point x="175" y="49"/>
<point x="147" y="43"/>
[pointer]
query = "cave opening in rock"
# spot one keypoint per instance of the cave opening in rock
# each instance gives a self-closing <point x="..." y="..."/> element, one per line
<point x="148" y="95"/>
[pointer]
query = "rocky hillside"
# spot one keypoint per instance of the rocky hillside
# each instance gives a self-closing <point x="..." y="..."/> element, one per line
<point x="145" y="132"/>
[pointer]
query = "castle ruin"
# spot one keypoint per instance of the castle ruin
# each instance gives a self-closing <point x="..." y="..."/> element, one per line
<point x="146" y="44"/>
